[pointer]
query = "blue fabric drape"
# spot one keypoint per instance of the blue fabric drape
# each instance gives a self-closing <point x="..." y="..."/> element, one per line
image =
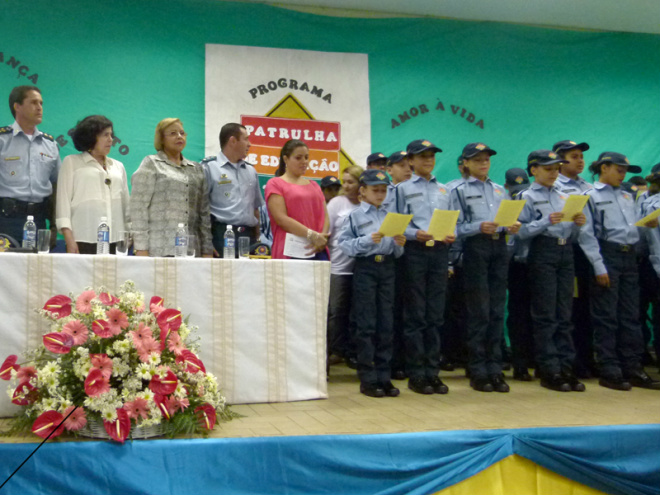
<point x="614" y="459"/>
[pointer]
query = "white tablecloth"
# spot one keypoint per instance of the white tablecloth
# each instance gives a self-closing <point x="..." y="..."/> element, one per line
<point x="262" y="323"/>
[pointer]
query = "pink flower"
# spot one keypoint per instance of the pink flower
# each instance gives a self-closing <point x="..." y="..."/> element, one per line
<point x="117" y="320"/>
<point x="77" y="420"/>
<point x="84" y="301"/>
<point x="59" y="343"/>
<point x="119" y="429"/>
<point x="8" y="365"/>
<point x="101" y="328"/>
<point x="146" y="348"/>
<point x="156" y="305"/>
<point x="26" y="374"/>
<point x="46" y="423"/>
<point x="78" y="331"/>
<point x="96" y="384"/>
<point x="108" y="299"/>
<point x="142" y="333"/>
<point x="103" y="363"/>
<point x="139" y="408"/>
<point x="175" y="405"/>
<point x="58" y="306"/>
<point x="175" y="344"/>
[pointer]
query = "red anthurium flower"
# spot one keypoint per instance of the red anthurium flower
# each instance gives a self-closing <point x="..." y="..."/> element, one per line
<point x="8" y="365"/>
<point x="102" y="329"/>
<point x="120" y="428"/>
<point x="156" y="305"/>
<point x="96" y="384"/>
<point x="162" y="405"/>
<point x="164" y="385"/>
<point x="108" y="299"/>
<point x="24" y="394"/>
<point x="192" y="363"/>
<point x="164" y="334"/>
<point x="206" y="415"/>
<point x="58" y="342"/>
<point x="46" y="423"/>
<point x="59" y="306"/>
<point x="170" y="317"/>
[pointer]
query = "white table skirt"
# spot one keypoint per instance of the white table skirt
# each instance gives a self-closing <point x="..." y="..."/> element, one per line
<point x="262" y="323"/>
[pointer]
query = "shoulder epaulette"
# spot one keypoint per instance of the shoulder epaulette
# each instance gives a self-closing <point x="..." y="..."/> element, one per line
<point x="49" y="137"/>
<point x="208" y="159"/>
<point x="6" y="129"/>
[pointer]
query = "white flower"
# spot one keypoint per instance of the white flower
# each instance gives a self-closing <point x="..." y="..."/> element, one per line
<point x="154" y="359"/>
<point x="144" y="371"/>
<point x="109" y="414"/>
<point x="49" y="404"/>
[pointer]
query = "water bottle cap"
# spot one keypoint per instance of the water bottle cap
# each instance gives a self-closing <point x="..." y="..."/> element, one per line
<point x="229" y="227"/>
<point x="30" y="218"/>
<point x="104" y="219"/>
<point x="180" y="225"/>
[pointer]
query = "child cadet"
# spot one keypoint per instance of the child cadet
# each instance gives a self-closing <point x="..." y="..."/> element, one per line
<point x="330" y="185"/>
<point x="609" y="241"/>
<point x="373" y="284"/>
<point x="550" y="271"/>
<point x="425" y="263"/>
<point x="570" y="182"/>
<point x="485" y="266"/>
<point x="400" y="170"/>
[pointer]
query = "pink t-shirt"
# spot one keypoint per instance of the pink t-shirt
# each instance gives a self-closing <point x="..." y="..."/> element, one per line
<point x="304" y="203"/>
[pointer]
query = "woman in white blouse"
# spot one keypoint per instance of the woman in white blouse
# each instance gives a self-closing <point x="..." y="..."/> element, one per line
<point x="91" y="185"/>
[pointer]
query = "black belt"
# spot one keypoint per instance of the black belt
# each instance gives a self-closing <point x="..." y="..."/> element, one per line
<point x="239" y="229"/>
<point x="619" y="248"/>
<point x="375" y="258"/>
<point x="10" y="207"/>
<point x="559" y="241"/>
<point x="497" y="236"/>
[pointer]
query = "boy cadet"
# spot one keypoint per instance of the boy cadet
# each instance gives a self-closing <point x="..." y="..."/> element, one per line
<point x="376" y="160"/>
<point x="400" y="170"/>
<point x="550" y="271"/>
<point x="373" y="284"/>
<point x="425" y="263"/>
<point x="570" y="182"/>
<point x="330" y="186"/>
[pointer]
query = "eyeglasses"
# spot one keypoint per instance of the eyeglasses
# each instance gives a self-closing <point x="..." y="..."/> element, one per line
<point x="176" y="133"/>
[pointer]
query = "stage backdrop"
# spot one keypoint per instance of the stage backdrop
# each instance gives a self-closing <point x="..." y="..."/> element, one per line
<point x="513" y="87"/>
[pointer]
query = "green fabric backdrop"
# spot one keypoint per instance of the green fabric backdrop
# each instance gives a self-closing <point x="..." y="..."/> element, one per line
<point x="140" y="61"/>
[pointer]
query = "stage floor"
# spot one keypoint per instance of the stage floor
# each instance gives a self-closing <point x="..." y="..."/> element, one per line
<point x="528" y="405"/>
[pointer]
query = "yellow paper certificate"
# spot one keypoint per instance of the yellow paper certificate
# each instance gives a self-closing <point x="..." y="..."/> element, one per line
<point x="648" y="218"/>
<point x="443" y="224"/>
<point x="394" y="224"/>
<point x="574" y="205"/>
<point x="509" y="212"/>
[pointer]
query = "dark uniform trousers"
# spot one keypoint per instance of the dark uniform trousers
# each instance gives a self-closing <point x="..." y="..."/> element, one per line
<point x="618" y="340"/>
<point x="425" y="286"/>
<point x="551" y="273"/>
<point x="649" y="295"/>
<point x="519" y="320"/>
<point x="583" y="332"/>
<point x="373" y="296"/>
<point x="14" y="213"/>
<point x="218" y="230"/>
<point x="485" y="265"/>
<point x="454" y="333"/>
<point x="399" y="355"/>
<point x="340" y="338"/>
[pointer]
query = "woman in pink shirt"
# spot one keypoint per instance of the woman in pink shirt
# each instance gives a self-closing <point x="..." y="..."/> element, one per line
<point x="296" y="205"/>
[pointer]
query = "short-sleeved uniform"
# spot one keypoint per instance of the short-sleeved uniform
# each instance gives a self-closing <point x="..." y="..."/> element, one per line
<point x="29" y="166"/>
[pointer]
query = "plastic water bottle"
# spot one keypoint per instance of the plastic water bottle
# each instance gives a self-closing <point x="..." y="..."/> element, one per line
<point x="181" y="241"/>
<point x="103" y="237"/>
<point x="229" y="249"/>
<point x="30" y="233"/>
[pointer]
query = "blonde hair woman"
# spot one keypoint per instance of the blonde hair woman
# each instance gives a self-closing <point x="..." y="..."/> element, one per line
<point x="168" y="189"/>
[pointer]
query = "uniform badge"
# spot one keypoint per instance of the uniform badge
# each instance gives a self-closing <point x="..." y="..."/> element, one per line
<point x="11" y="158"/>
<point x="519" y="180"/>
<point x="442" y="190"/>
<point x="227" y="194"/>
<point x="499" y="192"/>
<point x="480" y="147"/>
<point x="380" y="176"/>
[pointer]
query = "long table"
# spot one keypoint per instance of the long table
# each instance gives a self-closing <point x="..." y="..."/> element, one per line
<point x="262" y="323"/>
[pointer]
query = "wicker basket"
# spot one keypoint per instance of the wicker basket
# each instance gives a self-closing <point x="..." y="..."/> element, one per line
<point x="95" y="429"/>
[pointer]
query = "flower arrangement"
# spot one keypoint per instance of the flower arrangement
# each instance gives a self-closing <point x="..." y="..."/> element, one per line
<point x="108" y="359"/>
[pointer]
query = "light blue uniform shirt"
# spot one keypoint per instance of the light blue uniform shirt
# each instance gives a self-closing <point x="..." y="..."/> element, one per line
<point x="453" y="183"/>
<point x="650" y="204"/>
<point x="611" y="216"/>
<point x="420" y="197"/>
<point x="28" y="167"/>
<point x="234" y="190"/>
<point x="390" y="200"/>
<point x="535" y="216"/>
<point x="570" y="186"/>
<point x="477" y="202"/>
<point x="355" y="237"/>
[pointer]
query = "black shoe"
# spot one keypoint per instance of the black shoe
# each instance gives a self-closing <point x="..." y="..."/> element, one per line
<point x="555" y="382"/>
<point x="498" y="383"/>
<point x="582" y="372"/>
<point x="438" y="386"/>
<point x="615" y="383"/>
<point x="481" y="384"/>
<point x="521" y="374"/>
<point x="506" y="366"/>
<point x="372" y="390"/>
<point x="399" y="375"/>
<point x="641" y="379"/>
<point x="420" y="386"/>
<point x="446" y="365"/>
<point x="390" y="390"/>
<point x="571" y="379"/>
<point x="351" y="362"/>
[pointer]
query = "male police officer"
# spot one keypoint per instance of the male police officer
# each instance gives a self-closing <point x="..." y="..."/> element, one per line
<point x="234" y="191"/>
<point x="29" y="164"/>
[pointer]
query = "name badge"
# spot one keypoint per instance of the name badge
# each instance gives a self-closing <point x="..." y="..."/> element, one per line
<point x="541" y="202"/>
<point x="360" y="227"/>
<point x="604" y="203"/>
<point x="411" y="196"/>
<point x="10" y="158"/>
<point x="224" y="182"/>
<point x="474" y="197"/>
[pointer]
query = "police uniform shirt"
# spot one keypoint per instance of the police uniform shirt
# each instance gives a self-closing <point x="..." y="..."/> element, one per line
<point x="390" y="200"/>
<point x="651" y="204"/>
<point x="28" y="164"/>
<point x="420" y="197"/>
<point x="234" y="190"/>
<point x="453" y="183"/>
<point x="611" y="216"/>
<point x="572" y="186"/>
<point x="535" y="216"/>
<point x="355" y="237"/>
<point x="477" y="202"/>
